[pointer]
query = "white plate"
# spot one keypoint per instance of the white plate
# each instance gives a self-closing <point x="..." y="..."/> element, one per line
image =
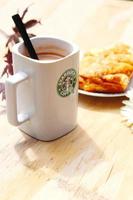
<point x="96" y="94"/>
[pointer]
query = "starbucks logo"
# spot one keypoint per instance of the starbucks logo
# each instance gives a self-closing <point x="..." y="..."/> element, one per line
<point x="67" y="82"/>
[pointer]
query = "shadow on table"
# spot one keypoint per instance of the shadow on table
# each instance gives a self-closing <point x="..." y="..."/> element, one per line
<point x="100" y="103"/>
<point x="60" y="163"/>
<point x="75" y="148"/>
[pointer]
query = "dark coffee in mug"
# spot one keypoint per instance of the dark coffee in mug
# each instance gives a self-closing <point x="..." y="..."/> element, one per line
<point x="49" y="56"/>
<point x="48" y="53"/>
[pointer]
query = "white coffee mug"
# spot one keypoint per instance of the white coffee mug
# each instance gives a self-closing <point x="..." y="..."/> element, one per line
<point x="42" y="95"/>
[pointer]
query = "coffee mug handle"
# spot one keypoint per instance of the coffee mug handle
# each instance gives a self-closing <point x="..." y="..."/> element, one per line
<point x="11" y="99"/>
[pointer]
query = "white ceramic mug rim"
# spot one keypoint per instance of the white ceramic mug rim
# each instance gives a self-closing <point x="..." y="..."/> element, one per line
<point x="15" y="49"/>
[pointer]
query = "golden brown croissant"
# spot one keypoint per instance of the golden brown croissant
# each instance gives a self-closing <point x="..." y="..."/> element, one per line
<point x="107" y="71"/>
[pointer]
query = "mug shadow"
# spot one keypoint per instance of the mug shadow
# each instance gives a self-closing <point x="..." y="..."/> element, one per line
<point x="59" y="163"/>
<point x="100" y="103"/>
<point x="57" y="154"/>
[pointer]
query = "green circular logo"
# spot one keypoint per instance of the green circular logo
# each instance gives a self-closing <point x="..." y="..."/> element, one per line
<point x="67" y="82"/>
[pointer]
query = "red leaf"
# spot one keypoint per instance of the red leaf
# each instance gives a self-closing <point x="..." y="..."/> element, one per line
<point x="24" y="12"/>
<point x="9" y="68"/>
<point x="8" y="56"/>
<point x="27" y="25"/>
<point x="31" y="23"/>
<point x="31" y="35"/>
<point x="5" y="71"/>
<point x="9" y="40"/>
<point x="13" y="39"/>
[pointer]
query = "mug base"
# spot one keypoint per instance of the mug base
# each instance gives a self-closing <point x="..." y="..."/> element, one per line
<point x="47" y="140"/>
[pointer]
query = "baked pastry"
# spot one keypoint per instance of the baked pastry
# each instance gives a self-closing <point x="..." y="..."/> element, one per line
<point x="107" y="70"/>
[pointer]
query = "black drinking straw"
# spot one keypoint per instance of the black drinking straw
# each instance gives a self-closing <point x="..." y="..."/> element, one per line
<point x="21" y="28"/>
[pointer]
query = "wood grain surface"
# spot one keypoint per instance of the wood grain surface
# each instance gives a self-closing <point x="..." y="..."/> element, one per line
<point x="93" y="162"/>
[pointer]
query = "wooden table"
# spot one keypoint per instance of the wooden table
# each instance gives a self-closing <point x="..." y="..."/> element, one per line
<point x="93" y="162"/>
